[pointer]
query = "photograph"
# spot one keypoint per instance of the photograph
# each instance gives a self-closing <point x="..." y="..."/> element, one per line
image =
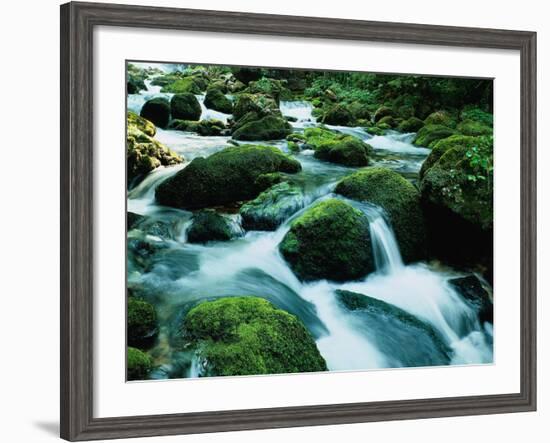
<point x="294" y="221"/>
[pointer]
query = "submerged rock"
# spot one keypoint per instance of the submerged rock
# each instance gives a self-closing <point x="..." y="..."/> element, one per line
<point x="248" y="336"/>
<point x="272" y="207"/>
<point x="330" y="240"/>
<point x="157" y="110"/>
<point x="209" y="226"/>
<point x="185" y="107"/>
<point x="400" y="200"/>
<point x="141" y="323"/>
<point x="411" y="341"/>
<point x="476" y="295"/>
<point x="227" y="176"/>
<point x="138" y="365"/>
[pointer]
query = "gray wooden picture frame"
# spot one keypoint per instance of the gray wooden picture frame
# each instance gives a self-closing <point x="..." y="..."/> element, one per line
<point x="77" y="218"/>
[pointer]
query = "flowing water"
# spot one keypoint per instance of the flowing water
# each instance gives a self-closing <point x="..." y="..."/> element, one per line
<point x="431" y="324"/>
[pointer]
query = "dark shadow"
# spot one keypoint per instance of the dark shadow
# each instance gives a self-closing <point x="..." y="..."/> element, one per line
<point x="49" y="427"/>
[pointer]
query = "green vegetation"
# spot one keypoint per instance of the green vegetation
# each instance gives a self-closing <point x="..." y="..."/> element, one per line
<point x="429" y="135"/>
<point x="203" y="127"/>
<point x="215" y="99"/>
<point x="225" y="177"/>
<point x="248" y="335"/>
<point x="330" y="240"/>
<point x="141" y="322"/>
<point x="399" y="198"/>
<point x="270" y="127"/>
<point x="138" y="364"/>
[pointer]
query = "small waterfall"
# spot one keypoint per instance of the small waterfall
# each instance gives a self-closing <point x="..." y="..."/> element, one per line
<point x="210" y="114"/>
<point x="299" y="110"/>
<point x="387" y="257"/>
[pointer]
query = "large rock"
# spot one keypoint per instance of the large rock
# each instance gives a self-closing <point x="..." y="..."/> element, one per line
<point x="383" y="111"/>
<point x="331" y="241"/>
<point x="442" y="146"/>
<point x="143" y="152"/>
<point x="431" y="134"/>
<point x="138" y="365"/>
<point x="399" y="199"/>
<point x="457" y="197"/>
<point x="412" y="124"/>
<point x="203" y="127"/>
<point x="248" y="336"/>
<point x="157" y="110"/>
<point x="338" y="115"/>
<point x="209" y="226"/>
<point x="412" y="342"/>
<point x="270" y="127"/>
<point x="225" y="177"/>
<point x="474" y="128"/>
<point x="272" y="207"/>
<point x="185" y="107"/>
<point x="476" y="295"/>
<point x="216" y="100"/>
<point x="440" y="118"/>
<point x="141" y="323"/>
<point x="337" y="147"/>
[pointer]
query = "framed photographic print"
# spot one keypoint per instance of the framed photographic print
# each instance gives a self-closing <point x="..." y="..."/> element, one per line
<point x="273" y="221"/>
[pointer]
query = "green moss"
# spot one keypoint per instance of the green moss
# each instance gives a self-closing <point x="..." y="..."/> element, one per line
<point x="330" y="240"/>
<point x="375" y="130"/>
<point x="185" y="107"/>
<point x="225" y="177"/>
<point x="156" y="110"/>
<point x="400" y="200"/>
<point x="270" y="127"/>
<point x="203" y="127"/>
<point x="142" y="124"/>
<point x="474" y="128"/>
<point x="337" y="147"/>
<point x="248" y="336"/>
<point x="209" y="226"/>
<point x="412" y="124"/>
<point x="138" y="365"/>
<point x="141" y="322"/>
<point x="477" y="115"/>
<point x="215" y="99"/>
<point x="360" y="111"/>
<point x="188" y="85"/>
<point x="272" y="207"/>
<point x="272" y="87"/>
<point x="431" y="134"/>
<point x="143" y="152"/>
<point x="442" y="146"/>
<point x="338" y="115"/>
<point x="383" y="111"/>
<point x="440" y="118"/>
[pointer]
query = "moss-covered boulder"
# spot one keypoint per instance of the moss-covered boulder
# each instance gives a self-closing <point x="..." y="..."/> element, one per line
<point x="431" y="134"/>
<point x="272" y="207"/>
<point x="271" y="87"/>
<point x="247" y="75"/>
<point x="143" y="152"/>
<point x="443" y="118"/>
<point x="331" y="240"/>
<point x="185" y="107"/>
<point x="457" y="194"/>
<point x="225" y="177"/>
<point x="208" y="226"/>
<point x="375" y="130"/>
<point x="138" y="364"/>
<point x="412" y="124"/>
<point x="270" y="127"/>
<point x="399" y="199"/>
<point x="248" y="336"/>
<point x="204" y="127"/>
<point x="157" y="110"/>
<point x="216" y="100"/>
<point x="360" y="111"/>
<point x="141" y="323"/>
<point x="383" y="111"/>
<point x="338" y="115"/>
<point x="387" y="121"/>
<point x="442" y="146"/>
<point x="177" y="84"/>
<point x="474" y="128"/>
<point x="259" y="104"/>
<point x="336" y="147"/>
<point x="477" y="115"/>
<point x="141" y="123"/>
